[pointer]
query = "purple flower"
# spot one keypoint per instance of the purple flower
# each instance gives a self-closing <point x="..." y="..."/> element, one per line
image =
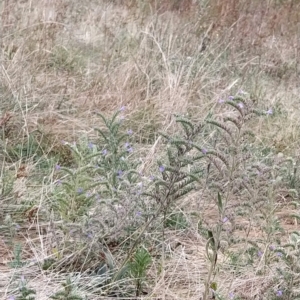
<point x="58" y="182"/>
<point x="151" y="177"/>
<point x="122" y="108"/>
<point x="18" y="227"/>
<point x="161" y="169"/>
<point x="80" y="190"/>
<point x="225" y="220"/>
<point x="138" y="213"/>
<point x="57" y="167"/>
<point x="241" y="105"/>
<point x="129" y="148"/>
<point x="272" y="248"/>
<point x="279" y="293"/>
<point x="204" y="151"/>
<point x="11" y="297"/>
<point x="120" y="173"/>
<point x="104" y="152"/>
<point x="230" y="97"/>
<point x="221" y="101"/>
<point x="279" y="254"/>
<point x="269" y="111"/>
<point x="231" y="295"/>
<point x="129" y="132"/>
<point x="90" y="145"/>
<point x="241" y="92"/>
<point x="259" y="253"/>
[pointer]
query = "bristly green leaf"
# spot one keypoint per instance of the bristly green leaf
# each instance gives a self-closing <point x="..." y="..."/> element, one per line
<point x="236" y="122"/>
<point x="211" y="238"/>
<point x="236" y="106"/>
<point x="220" y="156"/>
<point x="102" y="134"/>
<point x="187" y="126"/>
<point x="220" y="204"/>
<point x="220" y="125"/>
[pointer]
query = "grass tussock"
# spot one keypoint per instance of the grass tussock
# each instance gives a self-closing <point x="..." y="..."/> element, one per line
<point x="149" y="149"/>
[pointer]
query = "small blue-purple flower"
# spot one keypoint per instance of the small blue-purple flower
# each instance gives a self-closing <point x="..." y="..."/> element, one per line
<point x="90" y="145"/>
<point x="279" y="254"/>
<point x="272" y="248"/>
<point x="241" y="105"/>
<point x="18" y="227"/>
<point x="122" y="108"/>
<point x="80" y="190"/>
<point x="242" y="92"/>
<point x="279" y="293"/>
<point x="12" y="297"/>
<point x="58" y="182"/>
<point x="269" y="111"/>
<point x="259" y="253"/>
<point x="231" y="295"/>
<point x="230" y="97"/>
<point x="204" y="151"/>
<point x="129" y="132"/>
<point x="128" y="147"/>
<point x="57" y="167"/>
<point x="225" y="219"/>
<point x="104" y="152"/>
<point x="120" y="173"/>
<point x="161" y="169"/>
<point x="221" y="101"/>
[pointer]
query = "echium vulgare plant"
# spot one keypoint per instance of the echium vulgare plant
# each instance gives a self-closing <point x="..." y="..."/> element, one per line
<point x="242" y="182"/>
<point x="289" y="269"/>
<point x="178" y="172"/>
<point x="98" y="197"/>
<point x="101" y="171"/>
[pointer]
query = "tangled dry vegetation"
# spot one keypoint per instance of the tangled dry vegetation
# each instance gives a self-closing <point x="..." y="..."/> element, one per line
<point x="177" y="81"/>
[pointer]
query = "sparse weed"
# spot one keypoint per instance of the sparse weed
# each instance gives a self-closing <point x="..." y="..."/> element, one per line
<point x="17" y="262"/>
<point x="68" y="292"/>
<point x="24" y="293"/>
<point x="137" y="268"/>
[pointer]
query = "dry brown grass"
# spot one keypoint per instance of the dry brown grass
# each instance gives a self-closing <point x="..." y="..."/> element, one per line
<point x="62" y="61"/>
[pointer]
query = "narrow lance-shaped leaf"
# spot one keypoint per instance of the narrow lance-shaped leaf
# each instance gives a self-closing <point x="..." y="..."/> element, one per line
<point x="220" y="204"/>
